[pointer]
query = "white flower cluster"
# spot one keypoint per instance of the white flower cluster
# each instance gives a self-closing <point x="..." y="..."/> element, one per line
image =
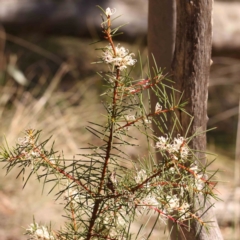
<point x="121" y="60"/>
<point x="141" y="176"/>
<point x="39" y="232"/>
<point x="150" y="199"/>
<point x="148" y="121"/>
<point x="130" y="117"/>
<point x="110" y="12"/>
<point x="199" y="183"/>
<point x="177" y="149"/>
<point x="31" y="150"/>
<point x="174" y="204"/>
<point x="24" y="142"/>
<point x="158" y="107"/>
<point x="168" y="206"/>
<point x="27" y="144"/>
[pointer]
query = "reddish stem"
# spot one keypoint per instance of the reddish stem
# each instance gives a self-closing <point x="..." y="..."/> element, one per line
<point x="73" y="217"/>
<point x="69" y="176"/>
<point x="148" y="115"/>
<point x="110" y="139"/>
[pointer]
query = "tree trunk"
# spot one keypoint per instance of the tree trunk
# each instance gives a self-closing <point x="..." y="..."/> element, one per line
<point x="161" y="38"/>
<point x="161" y="32"/>
<point x="191" y="63"/>
<point x="190" y="69"/>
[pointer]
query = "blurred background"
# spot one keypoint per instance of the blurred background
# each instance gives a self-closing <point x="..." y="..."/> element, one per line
<point x="47" y="82"/>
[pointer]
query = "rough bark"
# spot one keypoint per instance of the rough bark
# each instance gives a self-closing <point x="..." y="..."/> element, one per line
<point x="190" y="71"/>
<point x="161" y="38"/>
<point x="191" y="67"/>
<point x="161" y="32"/>
<point x="191" y="63"/>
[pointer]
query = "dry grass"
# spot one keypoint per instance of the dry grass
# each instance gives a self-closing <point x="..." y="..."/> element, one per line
<point x="60" y="104"/>
<point x="62" y="114"/>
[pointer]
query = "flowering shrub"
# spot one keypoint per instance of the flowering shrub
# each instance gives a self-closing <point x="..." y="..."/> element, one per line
<point x="102" y="194"/>
<point x="119" y="59"/>
<point x="39" y="232"/>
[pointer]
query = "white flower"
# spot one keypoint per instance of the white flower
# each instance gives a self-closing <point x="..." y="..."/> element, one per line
<point x="194" y="168"/>
<point x="39" y="232"/>
<point x="199" y="178"/>
<point x="150" y="200"/>
<point x="34" y="154"/>
<point x="199" y="182"/>
<point x="110" y="12"/>
<point x="178" y="148"/>
<point x="162" y="144"/>
<point x="130" y="118"/>
<point x="121" y="60"/>
<point x="131" y="90"/>
<point x="184" y="210"/>
<point x="179" y="145"/>
<point x="144" y="203"/>
<point x="173" y="204"/>
<point x="172" y="170"/>
<point x="158" y="108"/>
<point x="141" y="176"/>
<point x="177" y="142"/>
<point x="148" y="121"/>
<point x="27" y="140"/>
